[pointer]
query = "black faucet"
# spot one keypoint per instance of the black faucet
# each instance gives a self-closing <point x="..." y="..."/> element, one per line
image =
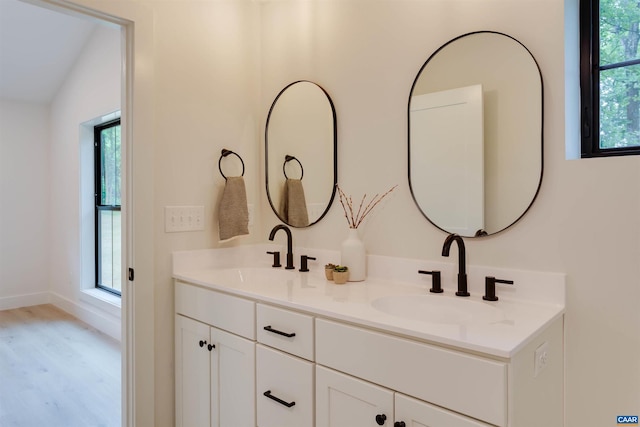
<point x="462" y="264"/>
<point x="289" y="243"/>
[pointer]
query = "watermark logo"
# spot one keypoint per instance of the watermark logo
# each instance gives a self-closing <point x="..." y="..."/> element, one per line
<point x="627" y="420"/>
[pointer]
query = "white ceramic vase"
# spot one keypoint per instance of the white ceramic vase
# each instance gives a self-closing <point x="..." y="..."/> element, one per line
<point x="354" y="256"/>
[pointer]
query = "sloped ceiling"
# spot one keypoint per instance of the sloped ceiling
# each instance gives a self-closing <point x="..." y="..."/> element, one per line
<point x="38" y="47"/>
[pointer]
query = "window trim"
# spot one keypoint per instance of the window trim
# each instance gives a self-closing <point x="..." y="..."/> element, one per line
<point x="97" y="169"/>
<point x="590" y="84"/>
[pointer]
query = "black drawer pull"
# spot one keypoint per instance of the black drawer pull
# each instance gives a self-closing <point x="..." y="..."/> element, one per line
<point x="275" y="331"/>
<point x="280" y="401"/>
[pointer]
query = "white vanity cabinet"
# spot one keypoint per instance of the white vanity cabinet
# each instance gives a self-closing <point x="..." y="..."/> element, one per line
<point x="214" y="368"/>
<point x="284" y="365"/>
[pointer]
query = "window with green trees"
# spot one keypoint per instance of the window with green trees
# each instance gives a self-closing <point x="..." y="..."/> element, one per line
<point x="107" y="150"/>
<point x="610" y="77"/>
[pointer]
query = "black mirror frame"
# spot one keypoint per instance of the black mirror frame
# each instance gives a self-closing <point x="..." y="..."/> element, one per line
<point x="335" y="152"/>
<point x="541" y="131"/>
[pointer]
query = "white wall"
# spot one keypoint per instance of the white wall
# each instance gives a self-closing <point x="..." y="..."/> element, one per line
<point x="24" y="206"/>
<point x="91" y="90"/>
<point x="206" y="92"/>
<point x="585" y="222"/>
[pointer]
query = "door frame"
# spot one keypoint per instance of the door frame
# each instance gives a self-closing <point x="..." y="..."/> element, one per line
<point x="138" y="368"/>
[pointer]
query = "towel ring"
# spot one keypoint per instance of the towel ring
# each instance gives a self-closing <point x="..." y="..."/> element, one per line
<point x="288" y="158"/>
<point x="225" y="153"/>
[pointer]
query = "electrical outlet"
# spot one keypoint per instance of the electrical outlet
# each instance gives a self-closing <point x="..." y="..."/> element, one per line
<point x="541" y="359"/>
<point x="183" y="218"/>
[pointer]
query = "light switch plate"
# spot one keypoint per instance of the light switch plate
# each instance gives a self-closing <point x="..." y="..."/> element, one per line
<point x="183" y="218"/>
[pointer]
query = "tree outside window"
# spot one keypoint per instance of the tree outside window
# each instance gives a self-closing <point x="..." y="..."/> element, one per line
<point x="610" y="80"/>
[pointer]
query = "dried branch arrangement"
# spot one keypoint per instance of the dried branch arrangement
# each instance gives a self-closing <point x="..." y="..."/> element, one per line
<point x="355" y="218"/>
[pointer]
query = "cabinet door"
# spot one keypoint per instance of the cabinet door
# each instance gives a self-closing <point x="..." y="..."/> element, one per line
<point x="284" y="389"/>
<point x="344" y="401"/>
<point x="192" y="373"/>
<point x="232" y="380"/>
<point x="416" y="413"/>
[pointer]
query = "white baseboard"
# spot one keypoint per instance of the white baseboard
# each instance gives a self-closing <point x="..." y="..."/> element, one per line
<point x="102" y="320"/>
<point x="99" y="319"/>
<point x="27" y="300"/>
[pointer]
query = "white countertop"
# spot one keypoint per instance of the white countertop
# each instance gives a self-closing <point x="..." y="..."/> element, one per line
<point x="501" y="329"/>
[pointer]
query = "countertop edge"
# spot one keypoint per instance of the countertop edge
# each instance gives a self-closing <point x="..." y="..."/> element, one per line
<point x="487" y="351"/>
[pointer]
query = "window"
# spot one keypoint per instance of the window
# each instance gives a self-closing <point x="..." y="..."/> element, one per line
<point x="610" y="77"/>
<point x="107" y="155"/>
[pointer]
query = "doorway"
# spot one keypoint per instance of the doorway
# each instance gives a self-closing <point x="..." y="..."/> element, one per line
<point x="54" y="167"/>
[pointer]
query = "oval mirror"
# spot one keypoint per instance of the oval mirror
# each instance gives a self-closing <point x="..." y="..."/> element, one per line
<point x="300" y="154"/>
<point x="475" y="134"/>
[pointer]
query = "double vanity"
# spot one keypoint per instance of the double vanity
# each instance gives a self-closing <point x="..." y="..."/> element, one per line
<point x="270" y="347"/>
<point x="283" y="347"/>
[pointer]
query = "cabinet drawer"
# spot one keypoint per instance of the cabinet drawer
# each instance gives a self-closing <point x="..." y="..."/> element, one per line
<point x="414" y="412"/>
<point x="464" y="383"/>
<point x="289" y="382"/>
<point x="233" y="314"/>
<point x="285" y="330"/>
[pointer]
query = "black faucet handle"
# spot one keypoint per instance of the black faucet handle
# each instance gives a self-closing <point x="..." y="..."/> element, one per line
<point x="436" y="281"/>
<point x="490" y="287"/>
<point x="303" y="262"/>
<point x="276" y="258"/>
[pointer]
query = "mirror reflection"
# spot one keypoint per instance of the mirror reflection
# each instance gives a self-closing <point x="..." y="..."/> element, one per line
<point x="475" y="134"/>
<point x="300" y="154"/>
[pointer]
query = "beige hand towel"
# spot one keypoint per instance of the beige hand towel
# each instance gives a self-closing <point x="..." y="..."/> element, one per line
<point x="294" y="207"/>
<point x="233" y="213"/>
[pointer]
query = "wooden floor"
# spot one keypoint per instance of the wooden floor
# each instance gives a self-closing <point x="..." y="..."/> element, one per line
<point x="56" y="371"/>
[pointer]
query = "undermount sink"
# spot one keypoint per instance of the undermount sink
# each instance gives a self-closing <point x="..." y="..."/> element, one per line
<point x="438" y="309"/>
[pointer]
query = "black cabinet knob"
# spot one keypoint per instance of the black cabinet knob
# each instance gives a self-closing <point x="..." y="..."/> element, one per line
<point x="399" y="424"/>
<point x="380" y="419"/>
<point x="202" y="343"/>
<point x="211" y="346"/>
